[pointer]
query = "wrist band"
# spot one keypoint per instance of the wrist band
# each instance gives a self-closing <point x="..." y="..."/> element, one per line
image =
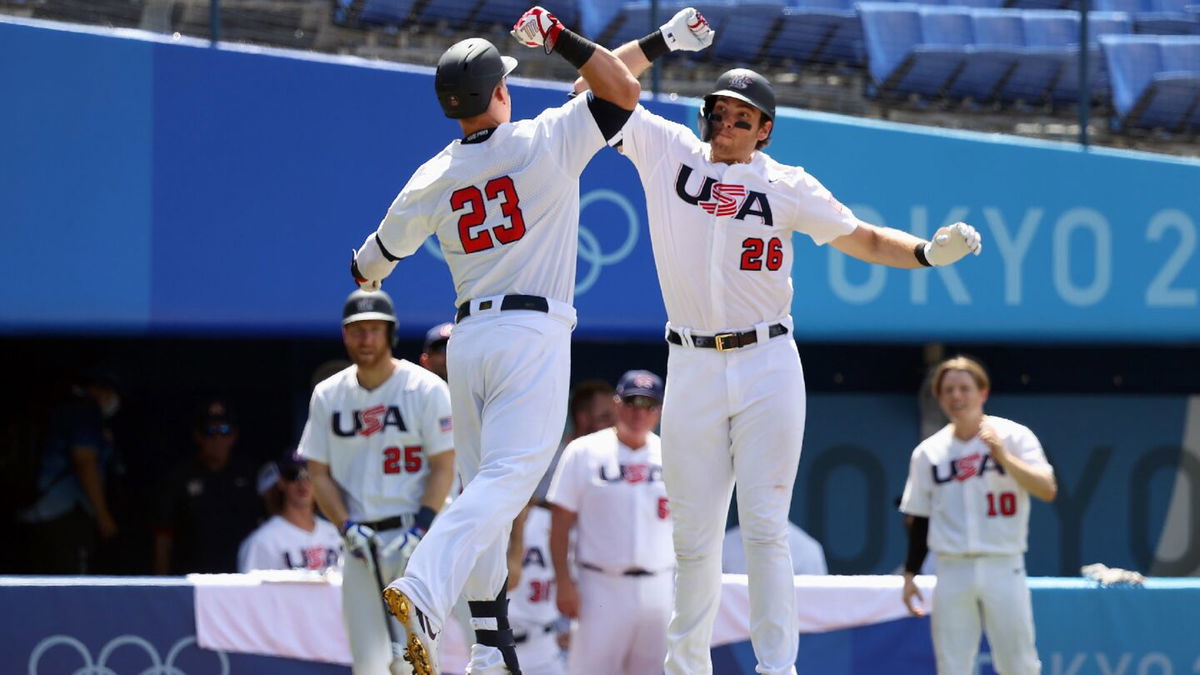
<point x="424" y="518"/>
<point x="573" y="47"/>
<point x="654" y="45"/>
<point x="919" y="252"/>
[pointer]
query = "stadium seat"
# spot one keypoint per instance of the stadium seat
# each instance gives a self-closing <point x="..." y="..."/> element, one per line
<point x="1144" y="92"/>
<point x="506" y="12"/>
<point x="1099" y="24"/>
<point x="992" y="58"/>
<point x="1182" y="55"/>
<point x="455" y="13"/>
<point x="818" y="31"/>
<point x="1155" y="17"/>
<point x="899" y="60"/>
<point x="385" y="12"/>
<point x="596" y="15"/>
<point x="745" y="38"/>
<point x="631" y="22"/>
<point x="1049" y="36"/>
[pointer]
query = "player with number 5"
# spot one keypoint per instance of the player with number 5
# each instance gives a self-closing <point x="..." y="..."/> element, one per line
<point x="968" y="492"/>
<point x="380" y="450"/>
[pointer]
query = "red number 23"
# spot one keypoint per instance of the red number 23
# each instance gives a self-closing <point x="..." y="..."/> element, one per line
<point x="474" y="238"/>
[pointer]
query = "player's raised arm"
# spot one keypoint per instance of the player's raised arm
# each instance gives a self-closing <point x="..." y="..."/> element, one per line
<point x="687" y="31"/>
<point x="607" y="76"/>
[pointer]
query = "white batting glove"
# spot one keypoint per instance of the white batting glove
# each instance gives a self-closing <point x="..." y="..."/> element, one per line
<point x="951" y="243"/>
<point x="357" y="539"/>
<point x="687" y="31"/>
<point x="363" y="282"/>
<point x="537" y="28"/>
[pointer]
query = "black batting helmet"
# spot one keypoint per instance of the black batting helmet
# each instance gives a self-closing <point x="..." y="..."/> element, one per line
<point x="370" y="306"/>
<point x="467" y="73"/>
<point x="744" y="85"/>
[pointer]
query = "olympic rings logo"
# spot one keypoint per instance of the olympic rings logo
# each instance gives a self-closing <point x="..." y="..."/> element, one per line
<point x="99" y="667"/>
<point x="590" y="250"/>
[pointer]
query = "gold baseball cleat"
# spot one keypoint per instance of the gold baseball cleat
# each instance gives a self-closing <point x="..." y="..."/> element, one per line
<point x="420" y="644"/>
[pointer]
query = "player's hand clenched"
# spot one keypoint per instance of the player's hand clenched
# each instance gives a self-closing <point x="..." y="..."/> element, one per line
<point x="951" y="243"/>
<point x="991" y="437"/>
<point x="537" y="28"/>
<point x="363" y="283"/>
<point x="357" y="538"/>
<point x="687" y="31"/>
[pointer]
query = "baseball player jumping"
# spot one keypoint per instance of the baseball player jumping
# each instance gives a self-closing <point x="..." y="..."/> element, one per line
<point x="722" y="214"/>
<point x="968" y="492"/>
<point x="380" y="457"/>
<point x="504" y="203"/>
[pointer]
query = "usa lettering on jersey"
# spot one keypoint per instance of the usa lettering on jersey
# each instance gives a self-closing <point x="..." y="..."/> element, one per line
<point x="723" y="199"/>
<point x="311" y="558"/>
<point x="370" y="421"/>
<point x="632" y="473"/>
<point x="965" y="467"/>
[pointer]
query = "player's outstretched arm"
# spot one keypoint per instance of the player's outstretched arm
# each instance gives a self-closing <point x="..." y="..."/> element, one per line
<point x="894" y="248"/>
<point x="687" y="31"/>
<point x="608" y="77"/>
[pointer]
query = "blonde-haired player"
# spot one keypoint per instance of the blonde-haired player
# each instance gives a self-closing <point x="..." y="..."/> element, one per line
<point x="968" y="492"/>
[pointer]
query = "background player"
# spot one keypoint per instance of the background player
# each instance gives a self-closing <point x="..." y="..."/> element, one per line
<point x="721" y="216"/>
<point x="609" y="488"/>
<point x="533" y="613"/>
<point x="381" y="458"/>
<point x="968" y="492"/>
<point x="504" y="204"/>
<point x="433" y="354"/>
<point x="293" y="537"/>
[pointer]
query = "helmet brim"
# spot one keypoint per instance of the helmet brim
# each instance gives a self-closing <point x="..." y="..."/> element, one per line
<point x="510" y="64"/>
<point x="368" y="316"/>
<point x="709" y="99"/>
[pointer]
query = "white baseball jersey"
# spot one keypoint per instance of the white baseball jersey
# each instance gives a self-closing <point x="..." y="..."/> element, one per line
<point x="622" y="514"/>
<point x="505" y="211"/>
<point x="722" y="233"/>
<point x="974" y="506"/>
<point x="376" y="442"/>
<point x="279" y="545"/>
<point x="531" y="607"/>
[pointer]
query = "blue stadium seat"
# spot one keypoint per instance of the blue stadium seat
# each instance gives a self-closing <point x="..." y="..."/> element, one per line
<point x="454" y="13"/>
<point x="1099" y="24"/>
<point x="1144" y="92"/>
<point x="744" y="38"/>
<point x="898" y="59"/>
<point x="386" y="12"/>
<point x="818" y="31"/>
<point x="597" y="15"/>
<point x="1049" y="36"/>
<point x="505" y="12"/>
<point x="981" y="3"/>
<point x="630" y="23"/>
<point x="999" y="40"/>
<point x="1182" y="55"/>
<point x="717" y="13"/>
<point x="1156" y="17"/>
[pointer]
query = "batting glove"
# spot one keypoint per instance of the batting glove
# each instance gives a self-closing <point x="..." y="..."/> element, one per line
<point x="363" y="283"/>
<point x="687" y="31"/>
<point x="358" y="539"/>
<point x="951" y="243"/>
<point x="537" y="28"/>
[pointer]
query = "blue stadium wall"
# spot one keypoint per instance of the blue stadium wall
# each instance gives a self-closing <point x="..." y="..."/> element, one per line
<point x="151" y="186"/>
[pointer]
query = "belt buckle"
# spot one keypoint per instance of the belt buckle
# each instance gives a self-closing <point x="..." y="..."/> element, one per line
<point x="719" y="340"/>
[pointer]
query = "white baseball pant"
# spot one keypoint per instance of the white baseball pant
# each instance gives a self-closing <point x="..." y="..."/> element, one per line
<point x="508" y="373"/>
<point x="540" y="654"/>
<point x="987" y="592"/>
<point x="363" y="610"/>
<point x="622" y="625"/>
<point x="733" y="416"/>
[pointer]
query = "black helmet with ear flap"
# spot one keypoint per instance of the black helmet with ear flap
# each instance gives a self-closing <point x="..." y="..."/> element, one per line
<point x="467" y="73"/>
<point x="743" y="84"/>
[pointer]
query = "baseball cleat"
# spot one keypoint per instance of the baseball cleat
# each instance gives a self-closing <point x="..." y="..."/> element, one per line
<point x="420" y="643"/>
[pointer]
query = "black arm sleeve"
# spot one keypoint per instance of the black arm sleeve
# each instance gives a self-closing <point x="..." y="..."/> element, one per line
<point x="609" y="116"/>
<point x="918" y="544"/>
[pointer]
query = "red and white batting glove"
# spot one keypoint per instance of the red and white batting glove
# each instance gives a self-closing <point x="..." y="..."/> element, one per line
<point x="363" y="283"/>
<point x="537" y="28"/>
<point x="687" y="31"/>
<point x="952" y="243"/>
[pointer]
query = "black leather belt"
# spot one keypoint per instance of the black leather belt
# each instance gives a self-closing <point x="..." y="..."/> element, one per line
<point x="393" y="523"/>
<point x="535" y="303"/>
<point x="631" y="572"/>
<point x="727" y="341"/>
<point x="520" y="638"/>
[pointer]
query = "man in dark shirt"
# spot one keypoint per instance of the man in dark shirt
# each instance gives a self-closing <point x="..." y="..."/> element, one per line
<point x="208" y="503"/>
